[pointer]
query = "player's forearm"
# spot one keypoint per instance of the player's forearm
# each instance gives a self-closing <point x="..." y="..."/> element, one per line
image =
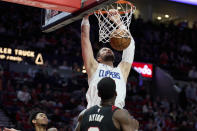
<point x="85" y="32"/>
<point x="128" y="53"/>
<point x="86" y="47"/>
<point x="87" y="52"/>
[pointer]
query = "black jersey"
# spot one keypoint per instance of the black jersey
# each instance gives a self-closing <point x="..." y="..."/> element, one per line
<point x="99" y="119"/>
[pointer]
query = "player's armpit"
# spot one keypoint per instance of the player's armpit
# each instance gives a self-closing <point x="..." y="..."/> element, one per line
<point x="125" y="120"/>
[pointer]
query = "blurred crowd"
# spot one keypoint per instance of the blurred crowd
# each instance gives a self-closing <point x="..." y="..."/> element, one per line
<point x="169" y="46"/>
<point x="63" y="101"/>
<point x="166" y="45"/>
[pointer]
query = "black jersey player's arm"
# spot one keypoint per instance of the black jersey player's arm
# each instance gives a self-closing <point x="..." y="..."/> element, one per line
<point x="80" y="117"/>
<point x="123" y="120"/>
<point x="78" y="124"/>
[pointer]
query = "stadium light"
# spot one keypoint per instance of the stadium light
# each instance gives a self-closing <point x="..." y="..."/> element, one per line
<point x="192" y="2"/>
<point x="83" y="69"/>
<point x="159" y="18"/>
<point x="167" y="16"/>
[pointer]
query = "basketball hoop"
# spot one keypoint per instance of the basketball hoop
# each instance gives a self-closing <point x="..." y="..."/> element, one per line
<point x="106" y="27"/>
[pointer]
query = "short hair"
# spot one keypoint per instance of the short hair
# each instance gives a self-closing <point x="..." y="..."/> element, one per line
<point x="106" y="88"/>
<point x="33" y="115"/>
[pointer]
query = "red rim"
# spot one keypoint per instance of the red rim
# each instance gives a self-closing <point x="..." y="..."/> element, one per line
<point x="120" y="12"/>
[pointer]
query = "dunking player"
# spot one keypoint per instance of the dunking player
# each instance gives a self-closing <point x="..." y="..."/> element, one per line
<point x="38" y="120"/>
<point x="106" y="117"/>
<point x="102" y="66"/>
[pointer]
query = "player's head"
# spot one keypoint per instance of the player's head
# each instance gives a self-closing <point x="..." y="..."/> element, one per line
<point x="107" y="89"/>
<point x="38" y="118"/>
<point x="105" y="54"/>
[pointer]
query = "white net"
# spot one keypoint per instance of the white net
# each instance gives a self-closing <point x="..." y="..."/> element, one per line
<point x="109" y="28"/>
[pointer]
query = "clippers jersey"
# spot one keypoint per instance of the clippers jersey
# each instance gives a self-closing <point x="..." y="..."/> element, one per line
<point x="99" y="119"/>
<point x="101" y="72"/>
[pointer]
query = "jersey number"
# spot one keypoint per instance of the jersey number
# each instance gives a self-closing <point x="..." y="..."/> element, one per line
<point x="93" y="129"/>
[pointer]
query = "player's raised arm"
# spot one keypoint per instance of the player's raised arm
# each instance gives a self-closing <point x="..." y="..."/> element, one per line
<point x="128" y="53"/>
<point x="87" y="52"/>
<point x="125" y="120"/>
<point x="127" y="59"/>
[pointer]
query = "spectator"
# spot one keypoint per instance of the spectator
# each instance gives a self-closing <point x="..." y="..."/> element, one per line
<point x="185" y="48"/>
<point x="164" y="58"/>
<point x="165" y="104"/>
<point x="23" y="95"/>
<point x="193" y="73"/>
<point x="64" y="66"/>
<point x="191" y="91"/>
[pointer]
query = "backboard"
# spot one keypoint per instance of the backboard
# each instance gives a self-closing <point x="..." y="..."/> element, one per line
<point x="53" y="20"/>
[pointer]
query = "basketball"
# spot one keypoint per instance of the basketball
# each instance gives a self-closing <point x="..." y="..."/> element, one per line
<point x="120" y="40"/>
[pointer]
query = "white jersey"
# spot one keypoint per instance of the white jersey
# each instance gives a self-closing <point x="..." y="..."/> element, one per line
<point x="101" y="72"/>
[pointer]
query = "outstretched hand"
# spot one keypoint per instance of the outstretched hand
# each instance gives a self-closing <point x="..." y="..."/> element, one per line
<point x="114" y="16"/>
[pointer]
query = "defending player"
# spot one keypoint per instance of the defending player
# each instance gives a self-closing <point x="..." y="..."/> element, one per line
<point x="106" y="117"/>
<point x="102" y="66"/>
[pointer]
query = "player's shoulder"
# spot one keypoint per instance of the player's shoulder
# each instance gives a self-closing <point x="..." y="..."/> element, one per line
<point x="80" y="117"/>
<point x="87" y="110"/>
<point x="121" y="113"/>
